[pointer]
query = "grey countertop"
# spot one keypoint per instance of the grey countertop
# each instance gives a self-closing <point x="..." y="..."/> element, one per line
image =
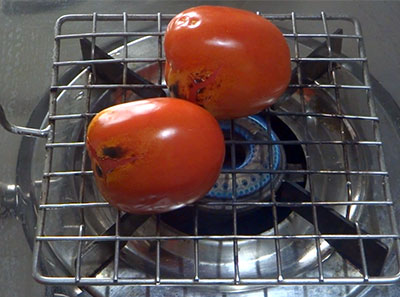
<point x="26" y="31"/>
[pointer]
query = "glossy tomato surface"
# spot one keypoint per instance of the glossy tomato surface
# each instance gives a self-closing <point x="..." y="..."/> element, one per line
<point x="233" y="62"/>
<point x="155" y="155"/>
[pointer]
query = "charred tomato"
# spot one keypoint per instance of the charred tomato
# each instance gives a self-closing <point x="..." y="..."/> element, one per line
<point x="154" y="155"/>
<point x="230" y="61"/>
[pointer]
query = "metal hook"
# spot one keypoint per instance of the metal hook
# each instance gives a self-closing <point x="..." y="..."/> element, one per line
<point x="21" y="130"/>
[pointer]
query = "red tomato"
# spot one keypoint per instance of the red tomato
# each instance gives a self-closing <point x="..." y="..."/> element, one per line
<point x="155" y="155"/>
<point x="233" y="62"/>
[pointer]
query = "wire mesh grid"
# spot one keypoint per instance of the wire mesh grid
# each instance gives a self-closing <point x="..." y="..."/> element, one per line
<point x="309" y="173"/>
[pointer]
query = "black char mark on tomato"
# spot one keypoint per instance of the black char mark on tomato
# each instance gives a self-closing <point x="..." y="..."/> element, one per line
<point x="114" y="152"/>
<point x="202" y="80"/>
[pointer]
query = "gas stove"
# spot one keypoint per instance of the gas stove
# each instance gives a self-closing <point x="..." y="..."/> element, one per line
<point x="240" y="237"/>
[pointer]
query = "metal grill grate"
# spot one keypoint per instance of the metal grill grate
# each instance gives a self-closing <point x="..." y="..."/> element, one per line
<point x="50" y="205"/>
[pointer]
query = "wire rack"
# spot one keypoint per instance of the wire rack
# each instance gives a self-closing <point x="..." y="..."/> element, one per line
<point x="379" y="175"/>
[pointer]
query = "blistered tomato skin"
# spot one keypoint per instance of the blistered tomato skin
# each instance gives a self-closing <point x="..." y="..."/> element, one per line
<point x="230" y="61"/>
<point x="155" y="155"/>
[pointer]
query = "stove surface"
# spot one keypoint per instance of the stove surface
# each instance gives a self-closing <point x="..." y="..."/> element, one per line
<point x="26" y="50"/>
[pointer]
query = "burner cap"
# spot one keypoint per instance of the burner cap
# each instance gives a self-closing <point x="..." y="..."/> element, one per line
<point x="249" y="156"/>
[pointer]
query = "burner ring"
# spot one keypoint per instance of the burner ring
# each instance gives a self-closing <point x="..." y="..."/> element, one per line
<point x="249" y="156"/>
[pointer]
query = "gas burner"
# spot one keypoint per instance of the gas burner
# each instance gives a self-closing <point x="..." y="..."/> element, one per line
<point x="214" y="214"/>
